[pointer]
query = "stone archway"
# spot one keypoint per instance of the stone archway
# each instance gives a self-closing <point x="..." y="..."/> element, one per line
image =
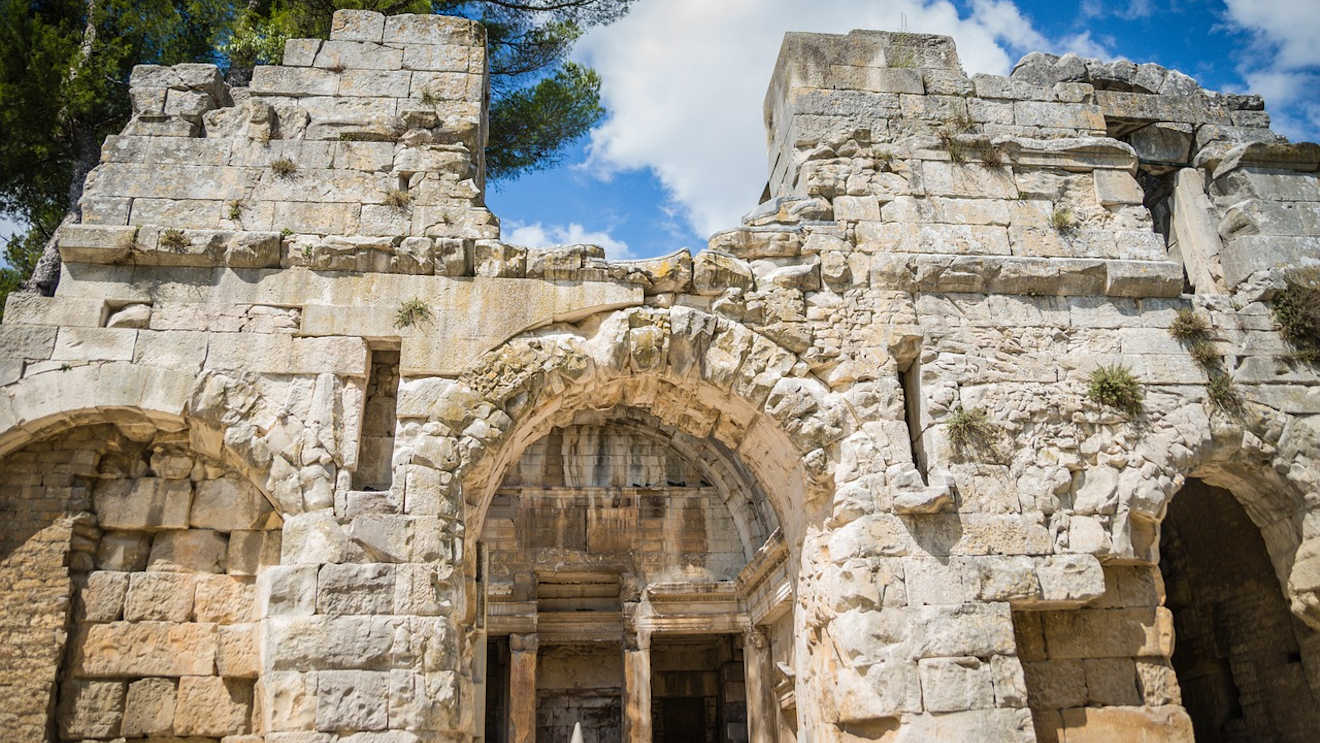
<point x="142" y="552"/>
<point x="1247" y="668"/>
<point x="1112" y="664"/>
<point x="702" y="375"/>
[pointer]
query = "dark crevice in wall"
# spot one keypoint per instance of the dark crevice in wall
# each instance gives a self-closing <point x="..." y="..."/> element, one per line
<point x="909" y="378"/>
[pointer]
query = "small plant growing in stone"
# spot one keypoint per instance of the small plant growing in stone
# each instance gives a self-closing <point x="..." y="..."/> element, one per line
<point x="1189" y="327"/>
<point x="235" y="210"/>
<point x="411" y="312"/>
<point x="398" y="198"/>
<point x="990" y="156"/>
<point x="283" y="167"/>
<point x="307" y="252"/>
<point x="1297" y="310"/>
<point x="1062" y="219"/>
<point x="1204" y="354"/>
<point x="429" y="98"/>
<point x="1222" y="393"/>
<point x="174" y="240"/>
<point x="285" y="232"/>
<point x="961" y="122"/>
<point x="957" y="149"/>
<point x="968" y="426"/>
<point x="1115" y="387"/>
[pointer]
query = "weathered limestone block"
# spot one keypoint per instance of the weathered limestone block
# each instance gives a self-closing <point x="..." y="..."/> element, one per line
<point x="90" y="709"/>
<point x="149" y="707"/>
<point x="357" y="25"/>
<point x="955" y="684"/>
<point x="123" y="551"/>
<point x="237" y="651"/>
<point x="224" y="599"/>
<point x="1138" y="724"/>
<point x="121" y="649"/>
<point x="142" y="503"/>
<point x="229" y="504"/>
<point x="213" y="706"/>
<point x="352" y="700"/>
<point x="191" y="550"/>
<point x="295" y="643"/>
<point x="288" y="701"/>
<point x="355" y="589"/>
<point x="1109" y="633"/>
<point x="162" y="597"/>
<point x="102" y="598"/>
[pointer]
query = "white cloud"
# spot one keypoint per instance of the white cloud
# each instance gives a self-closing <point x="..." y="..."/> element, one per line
<point x="1285" y="25"/>
<point x="1283" y="64"/>
<point x="1133" y="9"/>
<point x="540" y="236"/>
<point x="683" y="81"/>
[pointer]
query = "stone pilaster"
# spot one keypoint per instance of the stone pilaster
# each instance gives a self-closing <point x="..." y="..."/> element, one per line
<point x="761" y="727"/>
<point x="637" y="688"/>
<point x="522" y="688"/>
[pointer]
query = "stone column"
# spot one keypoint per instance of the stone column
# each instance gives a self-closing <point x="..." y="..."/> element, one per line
<point x="762" y="725"/>
<point x="637" y="687"/>
<point x="522" y="688"/>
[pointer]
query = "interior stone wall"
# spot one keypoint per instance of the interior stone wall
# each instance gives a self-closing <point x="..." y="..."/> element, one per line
<point x="158" y="571"/>
<point x="587" y="497"/>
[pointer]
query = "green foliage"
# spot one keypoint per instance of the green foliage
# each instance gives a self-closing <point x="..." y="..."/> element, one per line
<point x="283" y="167"/>
<point x="1297" y="310"/>
<point x="1189" y="326"/>
<point x="969" y="426"/>
<point x="1204" y="354"/>
<point x="533" y="125"/>
<point x="235" y="210"/>
<point x="412" y="312"/>
<point x="1222" y="393"/>
<point x="1062" y="219"/>
<point x="1115" y="387"/>
<point x="174" y="240"/>
<point x="429" y="98"/>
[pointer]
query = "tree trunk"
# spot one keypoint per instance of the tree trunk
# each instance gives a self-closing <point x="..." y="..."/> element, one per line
<point x="46" y="274"/>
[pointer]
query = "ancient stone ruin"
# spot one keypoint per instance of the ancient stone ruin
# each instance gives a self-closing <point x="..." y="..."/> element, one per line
<point x="984" y="425"/>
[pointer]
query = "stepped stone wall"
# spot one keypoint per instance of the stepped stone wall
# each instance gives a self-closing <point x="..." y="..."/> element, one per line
<point x="301" y="452"/>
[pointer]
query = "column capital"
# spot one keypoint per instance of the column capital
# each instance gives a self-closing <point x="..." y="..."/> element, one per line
<point x="524" y="643"/>
<point x="756" y="638"/>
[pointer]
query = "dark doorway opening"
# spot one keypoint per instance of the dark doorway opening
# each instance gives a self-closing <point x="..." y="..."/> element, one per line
<point x="1239" y="652"/>
<point x="497" y="690"/>
<point x="697" y="690"/>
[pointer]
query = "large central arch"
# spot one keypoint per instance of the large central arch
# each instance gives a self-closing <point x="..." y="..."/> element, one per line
<point x="710" y="380"/>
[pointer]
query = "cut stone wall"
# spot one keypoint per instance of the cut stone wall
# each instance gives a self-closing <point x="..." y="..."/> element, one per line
<point x="916" y="516"/>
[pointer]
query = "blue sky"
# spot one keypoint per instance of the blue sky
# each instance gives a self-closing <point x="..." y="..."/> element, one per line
<point x="681" y="153"/>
